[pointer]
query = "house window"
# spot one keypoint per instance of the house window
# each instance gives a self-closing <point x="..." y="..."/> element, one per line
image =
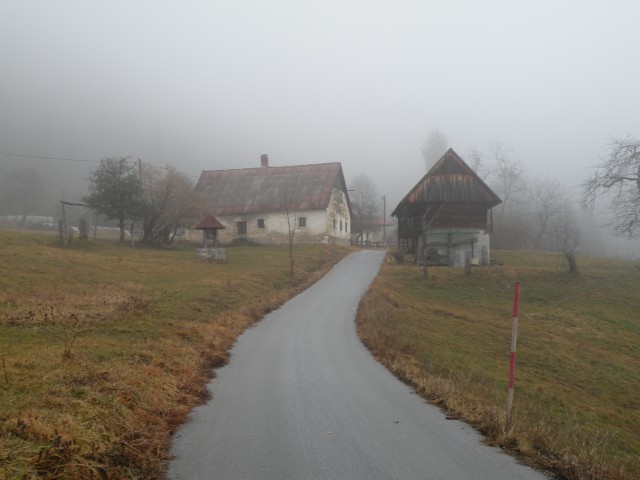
<point x="340" y="225"/>
<point x="242" y="229"/>
<point x="334" y="223"/>
<point x="302" y="222"/>
<point x="261" y="223"/>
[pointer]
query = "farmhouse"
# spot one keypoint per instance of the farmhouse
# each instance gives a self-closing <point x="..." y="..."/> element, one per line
<point x="447" y="217"/>
<point x="267" y="204"/>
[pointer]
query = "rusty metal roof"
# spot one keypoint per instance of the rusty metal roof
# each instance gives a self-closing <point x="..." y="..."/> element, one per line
<point x="270" y="189"/>
<point x="450" y="180"/>
<point x="209" y="222"/>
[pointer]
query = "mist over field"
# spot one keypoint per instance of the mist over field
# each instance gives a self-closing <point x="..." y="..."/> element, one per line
<point x="212" y="85"/>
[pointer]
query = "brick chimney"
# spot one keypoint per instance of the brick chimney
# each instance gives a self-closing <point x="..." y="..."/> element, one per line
<point x="264" y="160"/>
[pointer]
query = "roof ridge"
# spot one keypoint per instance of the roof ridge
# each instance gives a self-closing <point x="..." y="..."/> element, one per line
<point x="272" y="167"/>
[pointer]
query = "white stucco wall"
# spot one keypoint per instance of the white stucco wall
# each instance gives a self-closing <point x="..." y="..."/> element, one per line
<point x="338" y="219"/>
<point x="317" y="228"/>
<point x="330" y="225"/>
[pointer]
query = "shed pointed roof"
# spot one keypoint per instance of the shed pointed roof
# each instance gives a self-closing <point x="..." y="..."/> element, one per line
<point x="209" y="222"/>
<point x="450" y="180"/>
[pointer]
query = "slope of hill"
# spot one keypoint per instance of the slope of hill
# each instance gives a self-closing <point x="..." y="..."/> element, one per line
<point x="577" y="411"/>
<point x="105" y="348"/>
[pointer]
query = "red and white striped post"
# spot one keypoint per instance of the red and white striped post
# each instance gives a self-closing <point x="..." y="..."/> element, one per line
<point x="512" y="360"/>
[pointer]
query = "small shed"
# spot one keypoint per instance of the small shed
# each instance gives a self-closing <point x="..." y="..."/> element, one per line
<point x="446" y="218"/>
<point x="209" y="226"/>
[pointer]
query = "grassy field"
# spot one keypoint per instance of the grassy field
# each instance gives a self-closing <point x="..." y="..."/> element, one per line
<point x="105" y="348"/>
<point x="577" y="410"/>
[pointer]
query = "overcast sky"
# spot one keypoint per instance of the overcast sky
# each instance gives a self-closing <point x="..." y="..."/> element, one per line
<point x="214" y="84"/>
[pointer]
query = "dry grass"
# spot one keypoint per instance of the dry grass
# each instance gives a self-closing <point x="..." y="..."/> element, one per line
<point x="105" y="349"/>
<point x="576" y="411"/>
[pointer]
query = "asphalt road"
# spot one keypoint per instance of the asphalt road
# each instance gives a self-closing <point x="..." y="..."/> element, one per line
<point x="302" y="399"/>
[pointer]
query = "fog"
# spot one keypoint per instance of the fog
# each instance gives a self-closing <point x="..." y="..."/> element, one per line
<point x="212" y="84"/>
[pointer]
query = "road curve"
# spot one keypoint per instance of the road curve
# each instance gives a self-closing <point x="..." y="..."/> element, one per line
<point x="302" y="399"/>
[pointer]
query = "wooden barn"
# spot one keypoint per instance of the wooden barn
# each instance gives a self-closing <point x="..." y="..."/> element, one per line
<point x="447" y="216"/>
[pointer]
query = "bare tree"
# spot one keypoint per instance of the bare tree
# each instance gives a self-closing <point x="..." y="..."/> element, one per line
<point x="548" y="198"/>
<point x="617" y="179"/>
<point x="567" y="235"/>
<point x="155" y="199"/>
<point x="434" y="147"/>
<point x="364" y="206"/>
<point x="184" y="208"/>
<point x="475" y="160"/>
<point x="170" y="202"/>
<point x="507" y="174"/>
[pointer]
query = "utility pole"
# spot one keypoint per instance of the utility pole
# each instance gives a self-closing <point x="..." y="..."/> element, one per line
<point x="142" y="227"/>
<point x="384" y="220"/>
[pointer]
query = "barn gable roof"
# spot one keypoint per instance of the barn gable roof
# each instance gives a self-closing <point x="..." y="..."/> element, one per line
<point x="450" y="180"/>
<point x="270" y="189"/>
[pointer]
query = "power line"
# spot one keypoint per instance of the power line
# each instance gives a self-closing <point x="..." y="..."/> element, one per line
<point x="84" y="160"/>
<point x="42" y="157"/>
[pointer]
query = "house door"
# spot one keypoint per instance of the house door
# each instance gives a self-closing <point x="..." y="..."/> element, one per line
<point x="242" y="229"/>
